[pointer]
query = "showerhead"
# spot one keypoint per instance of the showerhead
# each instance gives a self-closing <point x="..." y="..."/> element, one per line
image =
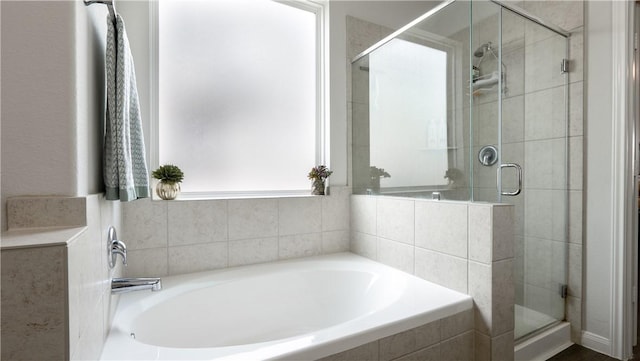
<point x="479" y="53"/>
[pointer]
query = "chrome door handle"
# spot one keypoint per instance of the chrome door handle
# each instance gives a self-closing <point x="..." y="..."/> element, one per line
<point x="518" y="169"/>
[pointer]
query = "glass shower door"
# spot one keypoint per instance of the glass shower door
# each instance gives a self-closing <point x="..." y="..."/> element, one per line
<point x="524" y="117"/>
<point x="543" y="253"/>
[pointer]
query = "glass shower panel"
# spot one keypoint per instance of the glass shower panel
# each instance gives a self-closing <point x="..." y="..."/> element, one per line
<point x="485" y="97"/>
<point x="472" y="103"/>
<point x="410" y="133"/>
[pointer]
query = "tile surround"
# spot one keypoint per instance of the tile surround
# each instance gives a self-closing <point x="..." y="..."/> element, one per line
<point x="173" y="237"/>
<point x="450" y="338"/>
<point x="473" y="254"/>
<point x="75" y="278"/>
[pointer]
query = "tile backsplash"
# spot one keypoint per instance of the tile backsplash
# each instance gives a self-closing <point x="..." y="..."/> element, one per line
<point x="174" y="237"/>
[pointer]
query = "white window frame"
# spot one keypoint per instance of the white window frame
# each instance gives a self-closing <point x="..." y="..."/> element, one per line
<point x="319" y="8"/>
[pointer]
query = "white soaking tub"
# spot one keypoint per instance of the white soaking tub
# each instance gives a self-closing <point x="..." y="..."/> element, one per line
<point x="299" y="309"/>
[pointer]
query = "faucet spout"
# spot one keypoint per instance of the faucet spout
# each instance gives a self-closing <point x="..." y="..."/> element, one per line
<point x="122" y="285"/>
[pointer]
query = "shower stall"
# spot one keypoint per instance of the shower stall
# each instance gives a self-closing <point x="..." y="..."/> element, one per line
<point x="470" y="102"/>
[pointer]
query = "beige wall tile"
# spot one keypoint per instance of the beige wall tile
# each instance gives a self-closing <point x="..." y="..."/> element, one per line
<point x="144" y="224"/>
<point x="395" y="219"/>
<point x="299" y="215"/>
<point x="192" y="222"/>
<point x="253" y="218"/>
<point x="442" y="227"/>
<point x="250" y="251"/>
<point x="443" y="269"/>
<point x="197" y="257"/>
<point x="395" y="254"/>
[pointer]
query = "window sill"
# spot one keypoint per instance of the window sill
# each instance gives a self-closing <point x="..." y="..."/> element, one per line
<point x="200" y="196"/>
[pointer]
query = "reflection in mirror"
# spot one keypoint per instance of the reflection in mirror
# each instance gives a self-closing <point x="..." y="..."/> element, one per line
<point x="404" y="117"/>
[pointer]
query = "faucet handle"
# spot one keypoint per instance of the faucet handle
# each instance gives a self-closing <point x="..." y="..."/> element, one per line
<point x="115" y="247"/>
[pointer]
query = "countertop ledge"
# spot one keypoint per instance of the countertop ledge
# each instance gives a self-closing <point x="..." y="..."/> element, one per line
<point x="39" y="237"/>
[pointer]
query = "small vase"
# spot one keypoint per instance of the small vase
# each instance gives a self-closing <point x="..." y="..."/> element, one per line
<point x="318" y="188"/>
<point x="167" y="191"/>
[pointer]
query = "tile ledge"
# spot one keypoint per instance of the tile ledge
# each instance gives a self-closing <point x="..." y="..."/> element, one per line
<point x="39" y="237"/>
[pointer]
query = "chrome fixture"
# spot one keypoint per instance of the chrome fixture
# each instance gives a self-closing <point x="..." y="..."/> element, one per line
<point x="435" y="196"/>
<point x="122" y="285"/>
<point x="115" y="248"/>
<point x="518" y="169"/>
<point x="482" y="49"/>
<point x="488" y="155"/>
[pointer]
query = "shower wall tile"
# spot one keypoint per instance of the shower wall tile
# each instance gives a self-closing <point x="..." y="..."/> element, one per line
<point x="511" y="153"/>
<point x="396" y="254"/>
<point x="197" y="257"/>
<point x="443" y="269"/>
<point x="484" y="177"/>
<point x="360" y="121"/>
<point x="514" y="69"/>
<point x="545" y="161"/>
<point x="362" y="34"/>
<point x="513" y="27"/>
<point x="253" y="218"/>
<point x="575" y="217"/>
<point x="299" y="245"/>
<point x="565" y="14"/>
<point x="192" y="222"/>
<point x="396" y="219"/>
<point x="513" y="114"/>
<point x="486" y="123"/>
<point x="442" y="227"/>
<point x="542" y="60"/>
<point x="575" y="270"/>
<point x="576" y="55"/>
<point x="545" y="114"/>
<point x="299" y="215"/>
<point x="538" y="261"/>
<point x="251" y="251"/>
<point x="576" y="109"/>
<point x="144" y="224"/>
<point x="575" y="163"/>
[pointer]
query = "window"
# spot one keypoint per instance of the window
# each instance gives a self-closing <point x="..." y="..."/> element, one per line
<point x="239" y="103"/>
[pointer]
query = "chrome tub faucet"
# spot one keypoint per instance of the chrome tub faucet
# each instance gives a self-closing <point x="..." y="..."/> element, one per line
<point x="122" y="285"/>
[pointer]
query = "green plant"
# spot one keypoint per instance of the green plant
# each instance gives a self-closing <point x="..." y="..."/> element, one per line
<point x="320" y="173"/>
<point x="375" y="172"/>
<point x="168" y="173"/>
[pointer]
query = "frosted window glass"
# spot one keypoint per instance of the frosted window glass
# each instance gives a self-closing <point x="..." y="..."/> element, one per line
<point x="408" y="113"/>
<point x="237" y="94"/>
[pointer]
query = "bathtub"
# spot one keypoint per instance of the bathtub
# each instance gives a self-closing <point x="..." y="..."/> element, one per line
<point x="298" y="309"/>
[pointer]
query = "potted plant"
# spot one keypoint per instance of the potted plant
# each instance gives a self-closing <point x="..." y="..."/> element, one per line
<point x="169" y="177"/>
<point x="318" y="175"/>
<point x="375" y="174"/>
